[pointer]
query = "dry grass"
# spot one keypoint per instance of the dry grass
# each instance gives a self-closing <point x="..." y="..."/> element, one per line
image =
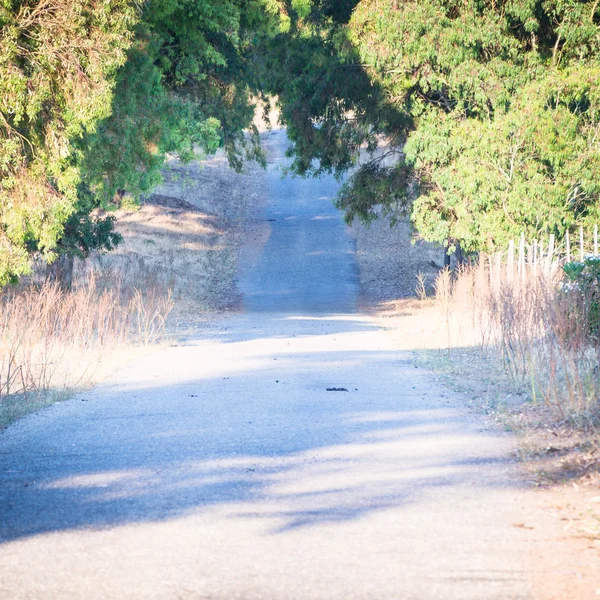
<point x="191" y="228"/>
<point x="487" y="350"/>
<point x="539" y="334"/>
<point x="190" y="247"/>
<point x="521" y="350"/>
<point x="177" y="264"/>
<point x="52" y="340"/>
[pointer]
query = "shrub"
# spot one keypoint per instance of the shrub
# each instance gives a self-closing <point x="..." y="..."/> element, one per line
<point x="582" y="287"/>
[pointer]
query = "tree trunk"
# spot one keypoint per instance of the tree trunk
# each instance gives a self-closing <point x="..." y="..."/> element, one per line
<point x="61" y="271"/>
<point x="459" y="255"/>
<point x="446" y="256"/>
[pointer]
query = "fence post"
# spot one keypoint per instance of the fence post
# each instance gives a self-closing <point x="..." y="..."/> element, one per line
<point x="550" y="253"/>
<point x="510" y="267"/>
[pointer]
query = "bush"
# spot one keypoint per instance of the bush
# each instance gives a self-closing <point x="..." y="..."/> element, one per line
<point x="582" y="288"/>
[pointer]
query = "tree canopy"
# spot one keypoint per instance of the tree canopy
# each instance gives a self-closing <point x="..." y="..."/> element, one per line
<point x="58" y="62"/>
<point x="481" y="115"/>
<point x="504" y="97"/>
<point x="480" y="118"/>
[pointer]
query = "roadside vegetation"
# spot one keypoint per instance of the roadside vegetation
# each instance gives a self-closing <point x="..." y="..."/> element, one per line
<point x="478" y="121"/>
<point x="541" y="328"/>
<point x="526" y="351"/>
<point x="481" y="117"/>
<point x="96" y="95"/>
<point x="174" y="267"/>
<point x="54" y="340"/>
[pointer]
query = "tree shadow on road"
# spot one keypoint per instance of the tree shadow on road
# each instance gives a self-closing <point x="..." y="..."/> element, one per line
<point x="255" y="433"/>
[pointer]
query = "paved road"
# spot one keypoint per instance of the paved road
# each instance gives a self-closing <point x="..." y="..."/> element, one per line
<point x="223" y="469"/>
<point x="300" y="256"/>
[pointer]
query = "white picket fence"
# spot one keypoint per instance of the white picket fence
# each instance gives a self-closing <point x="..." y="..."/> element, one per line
<point x="523" y="259"/>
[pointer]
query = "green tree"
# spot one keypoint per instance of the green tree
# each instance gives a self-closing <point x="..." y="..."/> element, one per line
<point x="98" y="93"/>
<point x="504" y="105"/>
<point x="532" y="169"/>
<point x="184" y="90"/>
<point x="58" y="63"/>
<point x="488" y="110"/>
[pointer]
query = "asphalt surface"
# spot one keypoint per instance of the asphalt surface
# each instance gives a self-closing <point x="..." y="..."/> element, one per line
<point x="300" y="256"/>
<point x="223" y="468"/>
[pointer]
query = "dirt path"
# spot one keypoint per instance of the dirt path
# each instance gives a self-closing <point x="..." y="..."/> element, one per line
<point x="289" y="452"/>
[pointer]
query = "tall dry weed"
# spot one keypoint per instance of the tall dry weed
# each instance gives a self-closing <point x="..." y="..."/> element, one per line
<point x="537" y="331"/>
<point x="52" y="338"/>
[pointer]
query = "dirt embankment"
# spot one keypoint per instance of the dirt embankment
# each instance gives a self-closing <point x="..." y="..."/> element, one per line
<point x="188" y="231"/>
<point x="391" y="262"/>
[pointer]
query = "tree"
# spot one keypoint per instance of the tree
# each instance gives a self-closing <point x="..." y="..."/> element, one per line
<point x="184" y="90"/>
<point x="532" y="169"/>
<point x="58" y="63"/>
<point x="98" y="94"/>
<point x="489" y="112"/>
<point x="503" y="97"/>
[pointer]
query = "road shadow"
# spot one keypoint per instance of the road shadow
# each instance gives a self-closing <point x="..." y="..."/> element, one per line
<point x="257" y="435"/>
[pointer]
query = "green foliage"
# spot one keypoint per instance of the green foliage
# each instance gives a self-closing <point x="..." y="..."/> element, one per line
<point x="504" y="98"/>
<point x="86" y="231"/>
<point x="531" y="169"/>
<point x="96" y="93"/>
<point x="185" y="90"/>
<point x="127" y="149"/>
<point x="489" y="109"/>
<point x="58" y="61"/>
<point x="328" y="103"/>
<point x="583" y="286"/>
<point x="376" y="190"/>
